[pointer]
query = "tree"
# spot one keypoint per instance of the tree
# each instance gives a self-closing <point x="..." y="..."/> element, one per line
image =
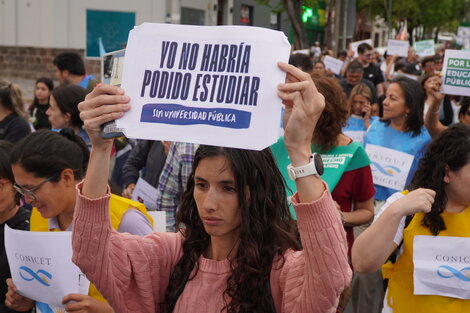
<point x="293" y="8"/>
<point x="430" y="14"/>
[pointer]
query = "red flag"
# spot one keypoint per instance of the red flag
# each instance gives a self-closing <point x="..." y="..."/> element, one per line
<point x="403" y="33"/>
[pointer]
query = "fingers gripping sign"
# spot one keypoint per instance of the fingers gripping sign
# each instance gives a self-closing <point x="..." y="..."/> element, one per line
<point x="86" y="304"/>
<point x="105" y="103"/>
<point x="304" y="105"/>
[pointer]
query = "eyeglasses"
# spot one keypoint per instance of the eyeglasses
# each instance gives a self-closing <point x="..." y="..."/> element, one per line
<point x="30" y="192"/>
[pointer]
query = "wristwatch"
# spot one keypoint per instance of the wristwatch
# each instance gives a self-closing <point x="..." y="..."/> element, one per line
<point x="314" y="167"/>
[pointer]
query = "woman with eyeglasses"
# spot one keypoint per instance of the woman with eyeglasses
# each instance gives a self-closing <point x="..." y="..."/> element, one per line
<point x="46" y="166"/>
<point x="11" y="214"/>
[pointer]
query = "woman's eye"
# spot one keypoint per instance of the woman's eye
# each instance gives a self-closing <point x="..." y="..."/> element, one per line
<point x="229" y="189"/>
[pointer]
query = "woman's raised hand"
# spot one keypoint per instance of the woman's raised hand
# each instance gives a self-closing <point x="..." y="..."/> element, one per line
<point x="303" y="107"/>
<point x="418" y="200"/>
<point x="104" y="104"/>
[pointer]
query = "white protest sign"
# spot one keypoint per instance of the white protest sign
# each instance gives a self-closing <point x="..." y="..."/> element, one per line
<point x="355" y="135"/>
<point x="41" y="265"/>
<point x="356" y="44"/>
<point x="302" y="51"/>
<point x="389" y="167"/>
<point x="441" y="266"/>
<point x="456" y="71"/>
<point x="398" y="47"/>
<point x="424" y="48"/>
<point x="145" y="193"/>
<point x="333" y="64"/>
<point x="213" y="85"/>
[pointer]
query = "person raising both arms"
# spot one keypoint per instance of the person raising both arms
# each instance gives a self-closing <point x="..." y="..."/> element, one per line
<point x="236" y="249"/>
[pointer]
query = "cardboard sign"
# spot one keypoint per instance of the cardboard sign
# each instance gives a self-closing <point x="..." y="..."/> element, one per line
<point x="356" y="44"/>
<point x="424" y="48"/>
<point x="441" y="266"/>
<point x="390" y="168"/>
<point x="333" y="64"/>
<point x="398" y="47"/>
<point x="41" y="265"/>
<point x="213" y="85"/>
<point x="456" y="71"/>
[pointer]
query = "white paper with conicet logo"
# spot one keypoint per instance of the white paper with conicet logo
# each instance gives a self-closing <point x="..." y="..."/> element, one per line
<point x="441" y="266"/>
<point x="390" y="168"/>
<point x="41" y="265"/>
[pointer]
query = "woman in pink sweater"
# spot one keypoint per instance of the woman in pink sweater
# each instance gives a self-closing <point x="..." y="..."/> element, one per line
<point x="237" y="247"/>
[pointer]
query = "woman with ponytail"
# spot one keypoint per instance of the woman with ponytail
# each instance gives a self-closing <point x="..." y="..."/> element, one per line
<point x="13" y="117"/>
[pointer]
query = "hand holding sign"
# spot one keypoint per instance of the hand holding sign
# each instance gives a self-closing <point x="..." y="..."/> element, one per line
<point x="15" y="301"/>
<point x="304" y="105"/>
<point x="82" y="303"/>
<point x="105" y="103"/>
<point x="419" y="200"/>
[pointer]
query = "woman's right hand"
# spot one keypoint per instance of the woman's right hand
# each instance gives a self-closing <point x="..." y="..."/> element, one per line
<point x="15" y="301"/>
<point x="416" y="201"/>
<point x="104" y="104"/>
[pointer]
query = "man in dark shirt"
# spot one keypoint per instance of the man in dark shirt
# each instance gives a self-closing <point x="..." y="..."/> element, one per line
<point x="371" y="71"/>
<point x="354" y="76"/>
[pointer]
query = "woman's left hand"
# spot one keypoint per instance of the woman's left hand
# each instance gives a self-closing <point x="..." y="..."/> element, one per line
<point x="303" y="107"/>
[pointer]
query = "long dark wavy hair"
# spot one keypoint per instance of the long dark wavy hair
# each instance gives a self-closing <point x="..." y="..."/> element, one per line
<point x="267" y="230"/>
<point x="450" y="151"/>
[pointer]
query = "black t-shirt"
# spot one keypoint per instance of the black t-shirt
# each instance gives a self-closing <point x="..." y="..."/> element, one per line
<point x="19" y="221"/>
<point x="13" y="128"/>
<point x="40" y="118"/>
<point x="374" y="74"/>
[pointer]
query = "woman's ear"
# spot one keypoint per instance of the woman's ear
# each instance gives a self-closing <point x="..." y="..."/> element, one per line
<point x="68" y="177"/>
<point x="446" y="175"/>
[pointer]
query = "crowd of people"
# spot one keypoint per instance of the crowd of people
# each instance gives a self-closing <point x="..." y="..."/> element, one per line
<point x="243" y="234"/>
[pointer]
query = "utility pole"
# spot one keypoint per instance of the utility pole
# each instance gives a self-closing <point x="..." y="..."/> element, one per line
<point x="389" y="19"/>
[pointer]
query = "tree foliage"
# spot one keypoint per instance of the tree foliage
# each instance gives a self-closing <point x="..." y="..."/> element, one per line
<point x="430" y="14"/>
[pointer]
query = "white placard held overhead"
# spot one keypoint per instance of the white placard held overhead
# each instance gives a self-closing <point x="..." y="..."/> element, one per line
<point x="390" y="168"/>
<point x="456" y="71"/>
<point x="356" y="44"/>
<point x="424" y="48"/>
<point x="333" y="64"/>
<point x="41" y="265"/>
<point x="213" y="85"/>
<point x="398" y="47"/>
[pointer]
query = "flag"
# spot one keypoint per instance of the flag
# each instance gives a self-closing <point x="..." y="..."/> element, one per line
<point x="403" y="33"/>
<point x="100" y="43"/>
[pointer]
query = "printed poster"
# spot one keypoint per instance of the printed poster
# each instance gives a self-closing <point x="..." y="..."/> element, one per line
<point x="390" y="168"/>
<point x="355" y="135"/>
<point x="442" y="266"/>
<point x="213" y="85"/>
<point x="424" y="48"/>
<point x="456" y="71"/>
<point x="398" y="47"/>
<point x="41" y="265"/>
<point x="333" y="64"/>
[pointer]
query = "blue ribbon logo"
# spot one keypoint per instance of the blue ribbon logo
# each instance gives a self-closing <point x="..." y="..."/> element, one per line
<point x="446" y="271"/>
<point x="41" y="276"/>
<point x="388" y="170"/>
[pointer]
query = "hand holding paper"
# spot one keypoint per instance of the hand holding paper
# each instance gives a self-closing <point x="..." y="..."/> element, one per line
<point x="86" y="304"/>
<point x="15" y="301"/>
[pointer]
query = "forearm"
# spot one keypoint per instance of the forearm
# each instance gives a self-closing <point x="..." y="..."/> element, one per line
<point x="96" y="179"/>
<point x="431" y="120"/>
<point x="372" y="248"/>
<point x="357" y="217"/>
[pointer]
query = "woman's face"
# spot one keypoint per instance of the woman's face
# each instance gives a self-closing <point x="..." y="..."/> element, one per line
<point x="319" y="69"/>
<point x="216" y="197"/>
<point x="432" y="83"/>
<point x="358" y="102"/>
<point x="465" y="117"/>
<point x="56" y="117"/>
<point x="458" y="185"/>
<point x="50" y="198"/>
<point x="42" y="92"/>
<point x="394" y="103"/>
<point x="7" y="196"/>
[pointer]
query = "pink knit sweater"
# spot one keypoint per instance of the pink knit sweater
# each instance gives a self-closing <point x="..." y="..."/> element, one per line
<point x="132" y="272"/>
